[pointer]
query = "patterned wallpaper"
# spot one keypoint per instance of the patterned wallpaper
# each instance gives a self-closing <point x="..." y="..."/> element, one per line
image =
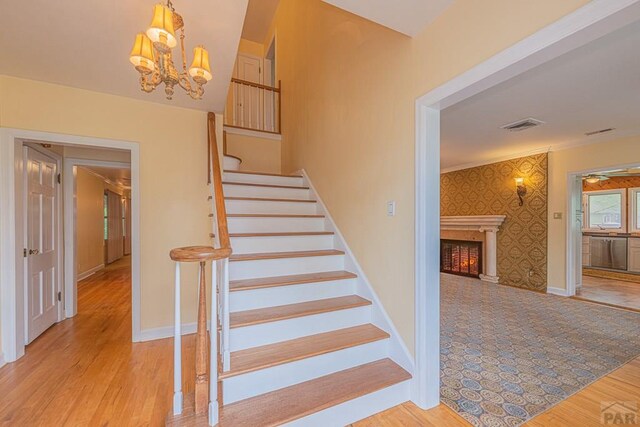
<point x="491" y="190"/>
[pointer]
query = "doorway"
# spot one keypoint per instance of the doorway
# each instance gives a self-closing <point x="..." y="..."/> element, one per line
<point x="604" y="265"/>
<point x="13" y="227"/>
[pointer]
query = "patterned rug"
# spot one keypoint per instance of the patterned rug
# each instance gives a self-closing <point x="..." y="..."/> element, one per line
<point x="508" y="354"/>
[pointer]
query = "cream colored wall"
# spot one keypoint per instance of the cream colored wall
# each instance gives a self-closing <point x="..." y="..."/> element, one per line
<point x="349" y="88"/>
<point x="90" y="221"/>
<point x="603" y="155"/>
<point x="257" y="154"/>
<point x="173" y="174"/>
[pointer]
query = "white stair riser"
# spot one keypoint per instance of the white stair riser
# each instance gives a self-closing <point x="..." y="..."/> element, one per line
<point x="292" y="294"/>
<point x="283" y="330"/>
<point x="239" y="270"/>
<point x="230" y="163"/>
<point x="263" y="179"/>
<point x="265" y="380"/>
<point x="357" y="409"/>
<point x="274" y="225"/>
<point x="270" y="207"/>
<point x="266" y="192"/>
<point x="248" y="245"/>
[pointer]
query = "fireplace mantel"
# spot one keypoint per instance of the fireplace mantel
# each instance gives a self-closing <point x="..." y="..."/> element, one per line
<point x="488" y="224"/>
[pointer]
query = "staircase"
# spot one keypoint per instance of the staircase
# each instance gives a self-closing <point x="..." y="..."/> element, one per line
<point x="303" y="346"/>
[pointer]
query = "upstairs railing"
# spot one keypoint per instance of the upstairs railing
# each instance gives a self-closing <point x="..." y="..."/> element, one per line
<point x="212" y="350"/>
<point x="254" y="106"/>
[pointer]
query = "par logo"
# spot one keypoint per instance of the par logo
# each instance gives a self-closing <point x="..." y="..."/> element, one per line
<point x="619" y="413"/>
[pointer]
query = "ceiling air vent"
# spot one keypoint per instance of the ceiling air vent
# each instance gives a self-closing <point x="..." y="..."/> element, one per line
<point x="596" y="132"/>
<point x="521" y="125"/>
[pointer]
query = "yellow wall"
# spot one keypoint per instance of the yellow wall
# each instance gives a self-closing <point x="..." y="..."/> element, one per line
<point x="90" y="221"/>
<point x="173" y="174"/>
<point x="257" y="154"/>
<point x="603" y="155"/>
<point x="250" y="47"/>
<point x="349" y="88"/>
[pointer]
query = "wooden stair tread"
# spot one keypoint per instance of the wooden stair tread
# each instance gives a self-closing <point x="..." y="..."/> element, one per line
<point x="262" y="199"/>
<point x="263" y="173"/>
<point x="295" y="279"/>
<point x="279" y="255"/>
<point x="267" y="356"/>
<point x="251" y="184"/>
<point x="288" y="404"/>
<point x="274" y="216"/>
<point x="291" y="311"/>
<point x="284" y="233"/>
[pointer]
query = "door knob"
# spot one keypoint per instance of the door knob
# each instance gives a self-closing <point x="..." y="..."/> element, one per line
<point x="33" y="252"/>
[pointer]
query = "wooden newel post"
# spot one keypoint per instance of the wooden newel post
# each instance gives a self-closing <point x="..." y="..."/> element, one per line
<point x="202" y="348"/>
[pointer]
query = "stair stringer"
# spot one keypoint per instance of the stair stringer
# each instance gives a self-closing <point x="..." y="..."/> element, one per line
<point x="398" y="351"/>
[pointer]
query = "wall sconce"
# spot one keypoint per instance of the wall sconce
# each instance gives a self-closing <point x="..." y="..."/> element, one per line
<point x="521" y="190"/>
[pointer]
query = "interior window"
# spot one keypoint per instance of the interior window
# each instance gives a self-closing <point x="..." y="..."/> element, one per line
<point x="605" y="210"/>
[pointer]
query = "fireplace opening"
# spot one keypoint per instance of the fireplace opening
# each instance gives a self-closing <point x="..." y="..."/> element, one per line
<point x="461" y="257"/>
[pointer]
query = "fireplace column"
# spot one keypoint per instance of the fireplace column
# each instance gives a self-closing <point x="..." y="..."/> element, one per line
<point x="490" y="254"/>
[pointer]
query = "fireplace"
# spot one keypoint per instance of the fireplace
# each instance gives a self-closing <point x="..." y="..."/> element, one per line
<point x="461" y="257"/>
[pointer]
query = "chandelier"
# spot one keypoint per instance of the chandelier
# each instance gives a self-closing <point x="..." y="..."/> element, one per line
<point x="151" y="56"/>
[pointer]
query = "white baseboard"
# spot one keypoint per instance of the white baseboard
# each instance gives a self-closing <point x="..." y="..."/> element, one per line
<point x="165" y="332"/>
<point x="557" y="291"/>
<point x="90" y="272"/>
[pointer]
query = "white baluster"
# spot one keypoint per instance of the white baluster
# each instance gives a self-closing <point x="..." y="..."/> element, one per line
<point x="226" y="355"/>
<point x="177" y="349"/>
<point x="213" y="359"/>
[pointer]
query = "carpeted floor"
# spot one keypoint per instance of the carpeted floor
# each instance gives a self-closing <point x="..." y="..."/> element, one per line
<point x="509" y="354"/>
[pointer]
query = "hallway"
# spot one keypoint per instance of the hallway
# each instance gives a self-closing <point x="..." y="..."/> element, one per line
<point x="86" y="371"/>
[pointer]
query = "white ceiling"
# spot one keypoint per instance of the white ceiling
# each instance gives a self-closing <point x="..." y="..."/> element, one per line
<point x="258" y="20"/>
<point x="405" y="16"/>
<point x="594" y="87"/>
<point x="86" y="44"/>
<point x="118" y="176"/>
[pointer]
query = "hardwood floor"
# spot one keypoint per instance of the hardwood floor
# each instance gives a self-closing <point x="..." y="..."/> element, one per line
<point x="613" y="292"/>
<point x="580" y="410"/>
<point x="85" y="371"/>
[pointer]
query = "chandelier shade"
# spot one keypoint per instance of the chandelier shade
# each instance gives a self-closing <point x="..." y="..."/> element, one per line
<point x="142" y="56"/>
<point x="161" y="31"/>
<point x="200" y="68"/>
<point x="152" y="58"/>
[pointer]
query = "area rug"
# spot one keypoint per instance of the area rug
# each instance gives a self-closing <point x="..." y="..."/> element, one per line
<point x="509" y="354"/>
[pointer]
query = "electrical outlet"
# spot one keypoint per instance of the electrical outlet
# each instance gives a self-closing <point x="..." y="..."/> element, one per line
<point x="557" y="215"/>
<point x="391" y="208"/>
<point x="530" y="272"/>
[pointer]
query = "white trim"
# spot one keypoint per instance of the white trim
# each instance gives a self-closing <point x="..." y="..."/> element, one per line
<point x="595" y="19"/>
<point x="398" y="350"/>
<point x="11" y="298"/>
<point x="471" y="222"/>
<point x="90" y="272"/>
<point x="253" y="133"/>
<point x="557" y="291"/>
<point x="162" y="332"/>
<point x="632" y="199"/>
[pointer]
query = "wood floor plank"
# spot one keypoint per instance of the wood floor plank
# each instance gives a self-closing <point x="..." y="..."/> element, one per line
<point x="291" y="403"/>
<point x="255" y="215"/>
<point x="279" y="255"/>
<point x="295" y="279"/>
<point x="291" y="311"/>
<point x="267" y="356"/>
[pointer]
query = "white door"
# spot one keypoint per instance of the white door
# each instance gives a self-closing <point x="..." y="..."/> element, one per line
<point x="249" y="99"/>
<point x="41" y="242"/>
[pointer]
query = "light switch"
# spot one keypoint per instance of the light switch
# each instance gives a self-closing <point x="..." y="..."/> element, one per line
<point x="557" y="215"/>
<point x="391" y="208"/>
